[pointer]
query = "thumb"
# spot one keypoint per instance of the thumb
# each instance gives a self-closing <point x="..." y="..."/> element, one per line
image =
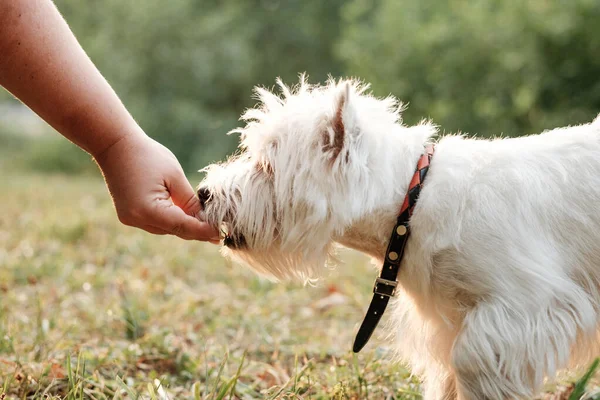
<point x="182" y="194"/>
<point x="175" y="221"/>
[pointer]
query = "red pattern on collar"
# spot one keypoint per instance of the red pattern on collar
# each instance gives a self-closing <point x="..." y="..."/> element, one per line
<point x="417" y="179"/>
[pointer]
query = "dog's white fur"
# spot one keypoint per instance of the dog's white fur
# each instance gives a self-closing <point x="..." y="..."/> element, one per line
<point x="501" y="276"/>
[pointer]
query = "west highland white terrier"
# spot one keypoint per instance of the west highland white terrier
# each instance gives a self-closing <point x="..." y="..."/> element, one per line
<point x="499" y="281"/>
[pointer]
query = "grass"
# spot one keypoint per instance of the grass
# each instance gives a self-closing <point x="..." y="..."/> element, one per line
<point x="92" y="309"/>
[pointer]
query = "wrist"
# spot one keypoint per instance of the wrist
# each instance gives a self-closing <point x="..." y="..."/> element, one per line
<point x="129" y="135"/>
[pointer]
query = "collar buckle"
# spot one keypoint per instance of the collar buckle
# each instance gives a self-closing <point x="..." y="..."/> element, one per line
<point x="385" y="287"/>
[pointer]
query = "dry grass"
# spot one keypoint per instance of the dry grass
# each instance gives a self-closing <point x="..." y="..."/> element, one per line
<point x="92" y="309"/>
<point x="130" y="310"/>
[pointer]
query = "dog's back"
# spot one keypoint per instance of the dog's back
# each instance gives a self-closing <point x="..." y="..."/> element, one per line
<point x="507" y="241"/>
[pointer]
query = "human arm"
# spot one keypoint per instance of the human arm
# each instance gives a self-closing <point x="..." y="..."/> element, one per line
<point x="43" y="65"/>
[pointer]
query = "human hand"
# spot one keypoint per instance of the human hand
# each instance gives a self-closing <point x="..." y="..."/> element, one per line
<point x="150" y="190"/>
<point x="43" y="65"/>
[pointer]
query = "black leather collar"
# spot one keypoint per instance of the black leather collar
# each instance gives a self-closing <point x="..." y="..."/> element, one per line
<point x="386" y="283"/>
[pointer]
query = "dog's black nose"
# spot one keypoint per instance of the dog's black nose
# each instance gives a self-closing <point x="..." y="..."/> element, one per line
<point x="203" y="195"/>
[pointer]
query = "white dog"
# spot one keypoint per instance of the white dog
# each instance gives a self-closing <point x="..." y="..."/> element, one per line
<point x="499" y="286"/>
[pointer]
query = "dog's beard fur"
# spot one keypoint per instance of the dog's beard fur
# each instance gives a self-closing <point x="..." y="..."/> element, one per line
<point x="251" y="216"/>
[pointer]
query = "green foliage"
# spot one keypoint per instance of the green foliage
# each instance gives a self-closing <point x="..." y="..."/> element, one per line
<point x="186" y="68"/>
<point x="482" y="66"/>
<point x="54" y="155"/>
<point x="24" y="148"/>
<point x="10" y="139"/>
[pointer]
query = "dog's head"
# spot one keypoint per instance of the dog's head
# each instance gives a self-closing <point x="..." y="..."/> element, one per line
<point x="306" y="170"/>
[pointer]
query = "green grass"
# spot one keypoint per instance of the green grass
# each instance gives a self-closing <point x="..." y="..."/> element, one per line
<point x="92" y="309"/>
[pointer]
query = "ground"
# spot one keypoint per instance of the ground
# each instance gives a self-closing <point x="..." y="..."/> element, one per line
<point x="92" y="309"/>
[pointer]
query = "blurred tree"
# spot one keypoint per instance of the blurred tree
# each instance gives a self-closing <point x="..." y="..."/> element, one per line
<point x="186" y="68"/>
<point x="480" y="66"/>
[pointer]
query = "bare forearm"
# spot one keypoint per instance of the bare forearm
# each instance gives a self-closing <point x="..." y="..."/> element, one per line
<point x="43" y="65"/>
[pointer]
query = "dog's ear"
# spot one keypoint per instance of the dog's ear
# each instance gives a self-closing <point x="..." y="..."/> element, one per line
<point x="335" y="135"/>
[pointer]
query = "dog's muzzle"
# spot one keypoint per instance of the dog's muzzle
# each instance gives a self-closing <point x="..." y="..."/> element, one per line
<point x="233" y="240"/>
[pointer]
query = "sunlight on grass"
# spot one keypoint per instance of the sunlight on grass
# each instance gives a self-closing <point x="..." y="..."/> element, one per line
<point x="93" y="309"/>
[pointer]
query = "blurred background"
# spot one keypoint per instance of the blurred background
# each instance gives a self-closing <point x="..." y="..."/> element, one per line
<point x="185" y="68"/>
<point x="93" y="309"/>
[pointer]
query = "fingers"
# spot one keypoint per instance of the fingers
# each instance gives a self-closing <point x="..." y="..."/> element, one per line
<point x="175" y="221"/>
<point x="183" y="195"/>
<point x="180" y="219"/>
<point x="162" y="202"/>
